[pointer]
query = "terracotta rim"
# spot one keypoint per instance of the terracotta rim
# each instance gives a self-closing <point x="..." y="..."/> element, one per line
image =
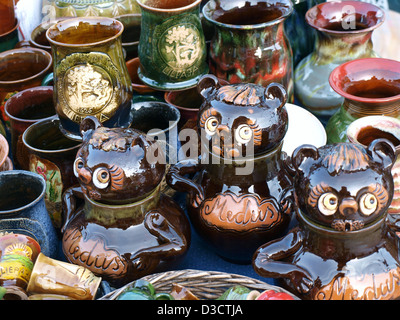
<point x="149" y="8"/>
<point x="74" y="21"/>
<point x="358" y="65"/>
<point x="208" y="15"/>
<point x="11" y="30"/>
<point x="28" y="50"/>
<point x="339" y="4"/>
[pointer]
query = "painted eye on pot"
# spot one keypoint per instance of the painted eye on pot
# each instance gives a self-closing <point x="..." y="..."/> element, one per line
<point x="78" y="164"/>
<point x="211" y="125"/>
<point x="328" y="204"/>
<point x="101" y="178"/>
<point x="368" y="204"/>
<point x="243" y="134"/>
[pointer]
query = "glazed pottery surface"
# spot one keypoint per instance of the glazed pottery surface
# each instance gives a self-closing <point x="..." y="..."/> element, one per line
<point x="24" y="109"/>
<point x="18" y="254"/>
<point x="7" y="15"/>
<point x="38" y="35"/>
<point x="249" y="44"/>
<point x="369" y="128"/>
<point x="5" y="161"/>
<point x="343" y="247"/>
<point x="21" y="69"/>
<point x="51" y="154"/>
<point x="9" y="39"/>
<point x="85" y="8"/>
<point x="237" y="200"/>
<point x="120" y="188"/>
<point x="343" y="33"/>
<point x="369" y="87"/>
<point x="131" y="34"/>
<point x="90" y="74"/>
<point x="23" y="209"/>
<point x="172" y="49"/>
<point x="54" y="277"/>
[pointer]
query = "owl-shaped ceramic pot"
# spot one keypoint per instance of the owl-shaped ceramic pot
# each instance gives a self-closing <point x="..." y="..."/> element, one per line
<point x="344" y="246"/>
<point x="237" y="198"/>
<point x="118" y="224"/>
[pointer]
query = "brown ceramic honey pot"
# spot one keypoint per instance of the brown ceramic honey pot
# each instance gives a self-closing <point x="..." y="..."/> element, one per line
<point x="344" y="247"/>
<point x="126" y="228"/>
<point x="237" y="198"/>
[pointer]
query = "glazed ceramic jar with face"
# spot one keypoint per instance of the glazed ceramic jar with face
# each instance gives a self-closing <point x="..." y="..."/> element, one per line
<point x="343" y="247"/>
<point x="141" y="229"/>
<point x="236" y="200"/>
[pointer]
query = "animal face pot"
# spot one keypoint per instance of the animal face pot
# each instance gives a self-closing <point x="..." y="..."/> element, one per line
<point x="236" y="200"/>
<point x="141" y="229"/>
<point x="344" y="247"/>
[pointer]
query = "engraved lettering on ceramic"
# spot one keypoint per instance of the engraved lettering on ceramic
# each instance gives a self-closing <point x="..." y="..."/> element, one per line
<point x="86" y="86"/>
<point x="241" y="213"/>
<point x="383" y="286"/>
<point x="93" y="254"/>
<point x="245" y="96"/>
<point x="54" y="186"/>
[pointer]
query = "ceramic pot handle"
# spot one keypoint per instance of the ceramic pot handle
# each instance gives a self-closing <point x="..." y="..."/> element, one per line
<point x="70" y="204"/>
<point x="276" y="94"/>
<point x="176" y="179"/>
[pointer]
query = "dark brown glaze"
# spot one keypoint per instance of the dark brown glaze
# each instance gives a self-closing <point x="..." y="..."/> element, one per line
<point x="233" y="204"/>
<point x="343" y="247"/>
<point x="118" y="224"/>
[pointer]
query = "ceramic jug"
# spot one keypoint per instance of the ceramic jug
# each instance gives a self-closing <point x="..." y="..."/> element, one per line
<point x="118" y="217"/>
<point x="90" y="74"/>
<point x="344" y="247"/>
<point x="249" y="44"/>
<point x="238" y="197"/>
<point x="343" y="33"/>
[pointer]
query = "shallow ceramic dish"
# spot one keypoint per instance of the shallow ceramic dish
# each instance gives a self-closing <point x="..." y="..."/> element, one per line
<point x="304" y="128"/>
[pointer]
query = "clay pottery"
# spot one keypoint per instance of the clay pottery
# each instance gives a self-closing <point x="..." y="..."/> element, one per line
<point x="90" y="74"/>
<point x="21" y="69"/>
<point x="119" y="197"/>
<point x="131" y="34"/>
<point x="249" y="44"/>
<point x="141" y="91"/>
<point x="369" y="87"/>
<point x="38" y="35"/>
<point x="54" y="277"/>
<point x="23" y="209"/>
<point x="143" y="290"/>
<point x="232" y="202"/>
<point x="9" y="39"/>
<point x="366" y="129"/>
<point x="343" y="33"/>
<point x="5" y="161"/>
<point x="7" y="15"/>
<point x="23" y="109"/>
<point x="18" y="253"/>
<point x="175" y="58"/>
<point x="342" y="195"/>
<point x="85" y="8"/>
<point x="51" y="154"/>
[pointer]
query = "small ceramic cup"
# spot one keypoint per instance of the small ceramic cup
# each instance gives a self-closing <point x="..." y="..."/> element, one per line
<point x="51" y="154"/>
<point x="51" y="276"/>
<point x="366" y="129"/>
<point x="23" y="109"/>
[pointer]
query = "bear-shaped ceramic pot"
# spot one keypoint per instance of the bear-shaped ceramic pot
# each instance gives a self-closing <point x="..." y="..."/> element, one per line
<point x="237" y="195"/>
<point x="125" y="227"/>
<point x="344" y="246"/>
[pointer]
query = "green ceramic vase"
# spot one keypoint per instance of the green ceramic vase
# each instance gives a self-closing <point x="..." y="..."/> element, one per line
<point x="172" y="49"/>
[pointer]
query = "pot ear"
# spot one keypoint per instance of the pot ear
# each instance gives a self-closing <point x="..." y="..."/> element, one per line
<point x="301" y="154"/>
<point x="383" y="151"/>
<point x="89" y="124"/>
<point x="276" y="94"/>
<point x="207" y="85"/>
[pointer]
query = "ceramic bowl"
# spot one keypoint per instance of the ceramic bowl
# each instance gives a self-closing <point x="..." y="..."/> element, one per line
<point x="304" y="128"/>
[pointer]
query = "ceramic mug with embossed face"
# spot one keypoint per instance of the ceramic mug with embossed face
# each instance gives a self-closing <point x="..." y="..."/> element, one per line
<point x="344" y="247"/>
<point x="237" y="200"/>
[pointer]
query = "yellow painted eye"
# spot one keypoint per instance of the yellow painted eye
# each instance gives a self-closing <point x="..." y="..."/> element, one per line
<point x="328" y="204"/>
<point x="78" y="164"/>
<point x="368" y="204"/>
<point x="211" y="125"/>
<point x="243" y="134"/>
<point x="101" y="178"/>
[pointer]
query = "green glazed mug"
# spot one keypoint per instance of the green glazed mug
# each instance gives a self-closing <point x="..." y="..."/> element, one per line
<point x="172" y="48"/>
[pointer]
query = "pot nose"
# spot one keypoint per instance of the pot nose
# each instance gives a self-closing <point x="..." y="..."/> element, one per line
<point x="85" y="176"/>
<point x="348" y="206"/>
